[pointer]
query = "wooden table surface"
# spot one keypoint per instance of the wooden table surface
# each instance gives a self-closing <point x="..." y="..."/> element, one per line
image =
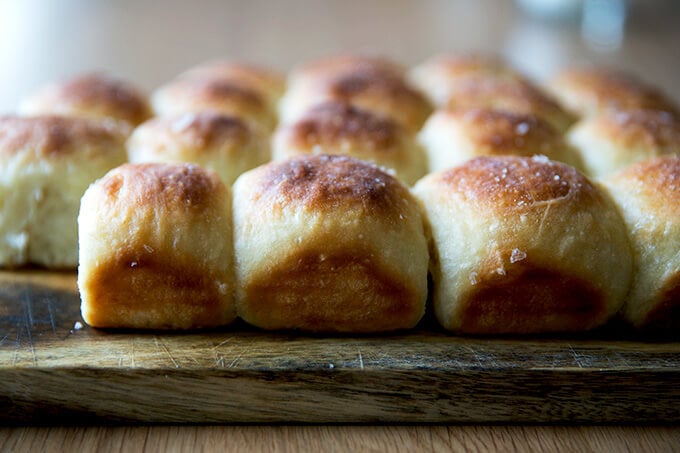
<point x="342" y="438"/>
<point x="150" y="42"/>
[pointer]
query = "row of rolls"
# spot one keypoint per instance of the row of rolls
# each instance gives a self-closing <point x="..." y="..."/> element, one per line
<point x="352" y="196"/>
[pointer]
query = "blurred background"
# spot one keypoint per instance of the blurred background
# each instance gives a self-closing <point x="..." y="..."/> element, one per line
<point x="150" y="42"/>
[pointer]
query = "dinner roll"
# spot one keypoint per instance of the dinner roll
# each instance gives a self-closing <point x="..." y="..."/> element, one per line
<point x="511" y="95"/>
<point x="226" y="144"/>
<point x="381" y="93"/>
<point x="264" y="81"/>
<point x="328" y="244"/>
<point x="588" y="90"/>
<point x="438" y="76"/>
<point x="334" y="65"/>
<point x="612" y="139"/>
<point x="338" y="128"/>
<point x="46" y="163"/>
<point x="453" y="136"/>
<point x="94" y="95"/>
<point x="206" y="94"/>
<point x="648" y="195"/>
<point x="523" y="245"/>
<point x="156" y="249"/>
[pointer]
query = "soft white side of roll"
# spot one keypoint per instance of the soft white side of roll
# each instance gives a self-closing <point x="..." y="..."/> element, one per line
<point x="156" y="249"/>
<point x="46" y="163"/>
<point x="648" y="196"/>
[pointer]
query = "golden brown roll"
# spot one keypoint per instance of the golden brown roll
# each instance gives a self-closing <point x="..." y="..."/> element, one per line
<point x="523" y="245"/>
<point x="611" y="139"/>
<point x="156" y="249"/>
<point x="439" y="76"/>
<point x="264" y="81"/>
<point x="328" y="244"/>
<point x="94" y="95"/>
<point x="452" y="137"/>
<point x="222" y="143"/>
<point x="46" y="163"/>
<point x="340" y="129"/>
<point x="648" y="196"/>
<point x="588" y="90"/>
<point x="332" y="66"/>
<point x="511" y="95"/>
<point x="198" y="95"/>
<point x="375" y="91"/>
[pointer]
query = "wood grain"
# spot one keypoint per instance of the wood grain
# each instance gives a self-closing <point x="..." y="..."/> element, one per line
<point x="342" y="438"/>
<point x="54" y="370"/>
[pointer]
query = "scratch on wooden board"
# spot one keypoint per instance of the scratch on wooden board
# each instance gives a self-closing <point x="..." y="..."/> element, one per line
<point x="475" y="355"/>
<point x="132" y="354"/>
<point x="361" y="360"/>
<point x="3" y="339"/>
<point x="236" y="360"/>
<point x="17" y="344"/>
<point x="50" y="311"/>
<point x="28" y="309"/>
<point x="219" y="360"/>
<point x="622" y="359"/>
<point x="28" y="325"/>
<point x="162" y="346"/>
<point x="222" y="343"/>
<point x="577" y="358"/>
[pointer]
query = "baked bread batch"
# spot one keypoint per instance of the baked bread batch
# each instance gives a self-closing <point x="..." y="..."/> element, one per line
<point x="352" y="196"/>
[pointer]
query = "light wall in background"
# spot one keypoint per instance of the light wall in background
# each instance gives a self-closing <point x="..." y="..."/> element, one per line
<point x="150" y="41"/>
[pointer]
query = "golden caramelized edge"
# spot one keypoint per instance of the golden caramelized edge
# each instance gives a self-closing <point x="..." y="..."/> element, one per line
<point x="649" y="129"/>
<point x="502" y="132"/>
<point x="325" y="182"/>
<point x="185" y="186"/>
<point x="51" y="136"/>
<point x="339" y="292"/>
<point x="607" y="87"/>
<point x="336" y="122"/>
<point x="99" y="92"/>
<point x="514" y="182"/>
<point x="200" y="130"/>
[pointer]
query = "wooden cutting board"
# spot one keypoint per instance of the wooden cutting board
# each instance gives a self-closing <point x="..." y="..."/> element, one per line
<point x="55" y="369"/>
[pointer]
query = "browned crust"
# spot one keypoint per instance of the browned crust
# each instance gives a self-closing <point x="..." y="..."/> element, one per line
<point x="55" y="136"/>
<point x="505" y="94"/>
<point x="648" y="129"/>
<point x="214" y="91"/>
<point x="335" y="122"/>
<point x="324" y="183"/>
<point x="656" y="177"/>
<point x="136" y="288"/>
<point x="342" y="64"/>
<point x="386" y="95"/>
<point x="463" y="65"/>
<point x="665" y="316"/>
<point x="170" y="185"/>
<point x="531" y="299"/>
<point x="99" y="93"/>
<point x="346" y="292"/>
<point x="514" y="182"/>
<point x="497" y="132"/>
<point x="489" y="91"/>
<point x="609" y="88"/>
<point x="202" y="129"/>
<point x="248" y="74"/>
<point x="347" y="86"/>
